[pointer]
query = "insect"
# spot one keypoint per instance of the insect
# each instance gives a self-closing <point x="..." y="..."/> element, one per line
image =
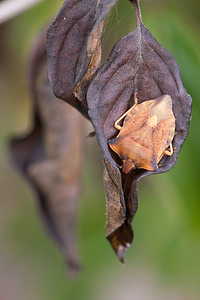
<point x="146" y="135"/>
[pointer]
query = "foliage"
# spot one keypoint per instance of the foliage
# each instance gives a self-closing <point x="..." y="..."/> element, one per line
<point x="167" y="224"/>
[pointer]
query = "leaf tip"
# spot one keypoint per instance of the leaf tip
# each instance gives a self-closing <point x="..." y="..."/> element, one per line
<point x="121" y="250"/>
<point x="74" y="268"/>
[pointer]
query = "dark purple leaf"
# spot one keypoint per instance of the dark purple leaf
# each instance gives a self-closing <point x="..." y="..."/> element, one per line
<point x="74" y="49"/>
<point x="137" y="64"/>
<point x="51" y="158"/>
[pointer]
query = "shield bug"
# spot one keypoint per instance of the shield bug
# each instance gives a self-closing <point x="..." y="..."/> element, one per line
<point x="146" y="134"/>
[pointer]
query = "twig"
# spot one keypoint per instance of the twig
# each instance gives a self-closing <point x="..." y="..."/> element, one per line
<point x="12" y="8"/>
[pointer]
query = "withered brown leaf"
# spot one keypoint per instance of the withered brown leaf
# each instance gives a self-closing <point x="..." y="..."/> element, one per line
<point x="51" y="158"/>
<point x="74" y="48"/>
<point x="148" y="130"/>
<point x="137" y="64"/>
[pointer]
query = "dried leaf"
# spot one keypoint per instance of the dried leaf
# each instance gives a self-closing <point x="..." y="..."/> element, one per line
<point x="51" y="156"/>
<point x="74" y="49"/>
<point x="139" y="65"/>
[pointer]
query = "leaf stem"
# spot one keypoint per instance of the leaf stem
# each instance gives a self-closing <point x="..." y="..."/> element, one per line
<point x="11" y="8"/>
<point x="139" y="40"/>
<point x="137" y="12"/>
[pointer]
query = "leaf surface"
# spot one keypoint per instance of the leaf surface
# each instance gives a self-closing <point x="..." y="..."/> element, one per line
<point x="74" y="48"/>
<point x="137" y="64"/>
<point x="51" y="158"/>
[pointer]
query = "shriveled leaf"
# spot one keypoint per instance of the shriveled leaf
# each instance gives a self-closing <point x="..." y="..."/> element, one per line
<point x="74" y="49"/>
<point x="139" y="65"/>
<point x="80" y="88"/>
<point x="51" y="158"/>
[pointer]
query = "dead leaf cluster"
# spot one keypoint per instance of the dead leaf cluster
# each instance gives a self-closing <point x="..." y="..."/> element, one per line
<point x="136" y="102"/>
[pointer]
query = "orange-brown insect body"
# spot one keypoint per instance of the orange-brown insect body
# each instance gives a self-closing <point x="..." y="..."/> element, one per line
<point x="148" y="130"/>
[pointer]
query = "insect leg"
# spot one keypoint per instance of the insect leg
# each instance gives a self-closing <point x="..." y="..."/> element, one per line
<point x="118" y="127"/>
<point x="170" y="151"/>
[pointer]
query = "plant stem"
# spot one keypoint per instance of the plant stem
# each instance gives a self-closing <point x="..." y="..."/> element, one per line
<point x="137" y="12"/>
<point x="12" y="8"/>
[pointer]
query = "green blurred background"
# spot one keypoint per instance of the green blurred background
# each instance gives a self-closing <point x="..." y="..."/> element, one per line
<point x="164" y="259"/>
